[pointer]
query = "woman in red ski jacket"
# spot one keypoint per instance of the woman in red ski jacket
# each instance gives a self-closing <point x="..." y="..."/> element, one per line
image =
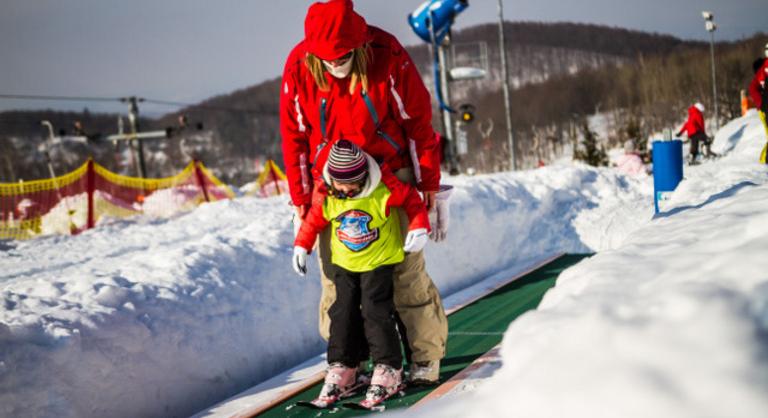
<point x="387" y="113"/>
<point x="353" y="81"/>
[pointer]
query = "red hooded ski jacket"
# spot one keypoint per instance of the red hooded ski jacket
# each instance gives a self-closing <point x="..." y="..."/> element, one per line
<point x="757" y="88"/>
<point x="391" y="122"/>
<point x="695" y="122"/>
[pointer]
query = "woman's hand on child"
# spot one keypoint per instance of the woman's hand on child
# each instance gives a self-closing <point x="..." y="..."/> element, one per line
<point x="415" y="240"/>
<point x="300" y="260"/>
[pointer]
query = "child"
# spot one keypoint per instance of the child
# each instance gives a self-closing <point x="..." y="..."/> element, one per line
<point x="366" y="245"/>
<point x="631" y="163"/>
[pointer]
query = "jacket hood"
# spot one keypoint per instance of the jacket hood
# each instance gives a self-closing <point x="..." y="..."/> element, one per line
<point x="693" y="111"/>
<point x="371" y="181"/>
<point x="333" y="28"/>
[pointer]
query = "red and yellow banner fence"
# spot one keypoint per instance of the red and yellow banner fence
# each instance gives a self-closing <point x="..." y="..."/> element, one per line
<point x="91" y="195"/>
<point x="271" y="181"/>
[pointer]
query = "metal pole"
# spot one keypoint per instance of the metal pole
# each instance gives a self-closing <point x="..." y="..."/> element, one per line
<point x="447" y="125"/>
<point x="47" y="153"/>
<point x="714" y="78"/>
<point x="133" y="117"/>
<point x="505" y="79"/>
<point x="49" y="143"/>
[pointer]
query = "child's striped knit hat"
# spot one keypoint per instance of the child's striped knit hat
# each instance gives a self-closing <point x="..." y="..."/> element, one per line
<point x="346" y="162"/>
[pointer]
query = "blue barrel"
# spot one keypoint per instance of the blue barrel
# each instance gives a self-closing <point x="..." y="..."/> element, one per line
<point x="667" y="168"/>
<point x="441" y="12"/>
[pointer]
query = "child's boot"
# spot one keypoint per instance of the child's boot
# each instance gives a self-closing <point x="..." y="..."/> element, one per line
<point x="339" y="380"/>
<point x="386" y="382"/>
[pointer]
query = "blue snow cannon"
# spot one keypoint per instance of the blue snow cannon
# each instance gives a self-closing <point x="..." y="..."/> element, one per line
<point x="435" y="15"/>
<point x="667" y="168"/>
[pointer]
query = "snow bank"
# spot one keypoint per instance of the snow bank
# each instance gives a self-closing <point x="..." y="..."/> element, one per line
<point x="165" y="317"/>
<point x="670" y="323"/>
<point x="150" y="319"/>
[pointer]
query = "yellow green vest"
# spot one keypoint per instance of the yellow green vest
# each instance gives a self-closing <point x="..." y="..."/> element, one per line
<point x="363" y="236"/>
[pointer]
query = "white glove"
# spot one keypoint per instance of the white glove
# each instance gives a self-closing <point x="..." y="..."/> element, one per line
<point x="439" y="218"/>
<point x="300" y="260"/>
<point x="415" y="240"/>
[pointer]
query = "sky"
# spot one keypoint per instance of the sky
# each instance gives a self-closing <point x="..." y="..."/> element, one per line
<point x="189" y="50"/>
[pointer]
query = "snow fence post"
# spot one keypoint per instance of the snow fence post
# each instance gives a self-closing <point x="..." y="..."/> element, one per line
<point x="200" y="179"/>
<point x="90" y="188"/>
<point x="667" y="169"/>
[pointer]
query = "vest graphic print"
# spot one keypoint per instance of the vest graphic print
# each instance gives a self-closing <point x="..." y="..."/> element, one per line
<point x="354" y="231"/>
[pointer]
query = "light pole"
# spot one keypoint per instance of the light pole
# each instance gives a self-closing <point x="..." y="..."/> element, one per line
<point x="136" y="145"/>
<point x="46" y="151"/>
<point x="505" y="83"/>
<point x="45" y="147"/>
<point x="710" y="25"/>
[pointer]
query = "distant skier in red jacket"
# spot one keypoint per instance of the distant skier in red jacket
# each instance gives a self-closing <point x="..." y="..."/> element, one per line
<point x="696" y="131"/>
<point x="758" y="92"/>
<point x="350" y="80"/>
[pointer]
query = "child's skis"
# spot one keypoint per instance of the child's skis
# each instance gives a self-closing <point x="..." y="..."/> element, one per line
<point x="374" y="398"/>
<point x="333" y="396"/>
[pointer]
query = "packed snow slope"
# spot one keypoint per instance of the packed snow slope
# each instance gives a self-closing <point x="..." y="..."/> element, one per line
<point x="673" y="322"/>
<point x="164" y="318"/>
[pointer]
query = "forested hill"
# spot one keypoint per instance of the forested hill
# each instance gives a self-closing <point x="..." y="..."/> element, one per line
<point x="537" y="50"/>
<point x="585" y="37"/>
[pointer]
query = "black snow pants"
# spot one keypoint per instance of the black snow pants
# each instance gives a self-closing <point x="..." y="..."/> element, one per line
<point x="698" y="137"/>
<point x="363" y="318"/>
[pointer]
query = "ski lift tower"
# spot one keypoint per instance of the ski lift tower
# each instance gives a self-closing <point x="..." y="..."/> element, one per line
<point x="134" y="137"/>
<point x="431" y="22"/>
<point x="710" y="26"/>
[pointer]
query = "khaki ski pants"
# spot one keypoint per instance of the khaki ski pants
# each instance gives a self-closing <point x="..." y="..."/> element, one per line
<point x="416" y="298"/>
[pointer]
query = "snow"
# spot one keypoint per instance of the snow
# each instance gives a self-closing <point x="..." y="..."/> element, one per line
<point x="671" y="322"/>
<point x="153" y="317"/>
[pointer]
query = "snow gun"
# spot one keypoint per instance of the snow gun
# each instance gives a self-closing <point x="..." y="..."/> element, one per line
<point x="432" y="22"/>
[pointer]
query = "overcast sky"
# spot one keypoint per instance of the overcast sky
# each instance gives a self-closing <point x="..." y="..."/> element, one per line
<point x="190" y="50"/>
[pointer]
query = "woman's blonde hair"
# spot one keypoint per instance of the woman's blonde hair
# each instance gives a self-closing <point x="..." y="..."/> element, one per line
<point x="358" y="73"/>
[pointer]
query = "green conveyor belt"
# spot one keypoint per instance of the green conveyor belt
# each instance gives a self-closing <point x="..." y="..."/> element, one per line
<point x="472" y="331"/>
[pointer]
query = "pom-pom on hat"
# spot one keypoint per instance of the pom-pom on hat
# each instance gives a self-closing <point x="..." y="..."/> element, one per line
<point x="333" y="28"/>
<point x="346" y="162"/>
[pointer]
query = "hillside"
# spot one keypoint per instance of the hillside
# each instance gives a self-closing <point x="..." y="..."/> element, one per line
<point x="537" y="51"/>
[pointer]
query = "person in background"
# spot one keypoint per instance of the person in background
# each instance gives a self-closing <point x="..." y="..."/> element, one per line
<point x="758" y="92"/>
<point x="631" y="163"/>
<point x="349" y="80"/>
<point x="696" y="131"/>
<point x="357" y="201"/>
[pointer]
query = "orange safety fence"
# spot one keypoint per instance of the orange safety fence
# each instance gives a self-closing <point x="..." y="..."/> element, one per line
<point x="91" y="195"/>
<point x="744" y="102"/>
